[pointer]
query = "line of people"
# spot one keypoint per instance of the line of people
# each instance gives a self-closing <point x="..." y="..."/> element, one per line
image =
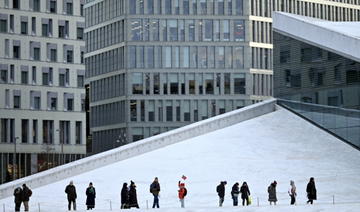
<point x="129" y="195"/>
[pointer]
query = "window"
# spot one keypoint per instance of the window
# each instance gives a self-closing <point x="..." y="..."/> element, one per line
<point x="62" y="79"/>
<point x="52" y="6"/>
<point x="167" y="7"/>
<point x="186" y="7"/>
<point x="133" y="110"/>
<point x="239" y="7"/>
<point x="24" y="27"/>
<point x="45" y="30"/>
<point x="53" y="55"/>
<point x="34" y="74"/>
<point x="226" y="30"/>
<point x="69" y="56"/>
<point x="64" y="132"/>
<point x="208" y="30"/>
<point x="35" y="132"/>
<point x="69" y="8"/>
<point x="3" y="25"/>
<point x="61" y="31"/>
<point x="33" y="25"/>
<point x="48" y="131"/>
<point x="78" y="132"/>
<point x="239" y="30"/>
<point x="53" y="103"/>
<point x="203" y="7"/>
<point x="284" y="54"/>
<point x="36" y="5"/>
<point x="24" y="130"/>
<point x="37" y="103"/>
<point x="16" y="52"/>
<point x="16" y="4"/>
<point x="70" y="104"/>
<point x="36" y="53"/>
<point x="17" y="101"/>
<point x="132" y="6"/>
<point x="80" y="33"/>
<point x="3" y="76"/>
<point x="136" y="30"/>
<point x="220" y="7"/>
<point x="191" y="28"/>
<point x="137" y="83"/>
<point x="173" y="29"/>
<point x="239" y="83"/>
<point x="24" y="77"/>
<point x="11" y="23"/>
<point x="80" y="81"/>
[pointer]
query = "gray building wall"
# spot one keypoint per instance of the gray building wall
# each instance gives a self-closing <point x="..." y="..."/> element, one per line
<point x="42" y="73"/>
<point x="157" y="65"/>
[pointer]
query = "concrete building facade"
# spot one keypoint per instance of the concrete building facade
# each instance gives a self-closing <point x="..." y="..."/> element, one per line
<point x="155" y="65"/>
<point x="42" y="74"/>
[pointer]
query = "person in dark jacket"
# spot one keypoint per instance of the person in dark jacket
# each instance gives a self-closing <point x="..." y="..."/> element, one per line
<point x="311" y="191"/>
<point x="26" y="194"/>
<point x="245" y="193"/>
<point x="70" y="190"/>
<point x="90" y="196"/>
<point x="17" y="198"/>
<point x="235" y="193"/>
<point x="220" y="189"/>
<point x="132" y="196"/>
<point x="155" y="190"/>
<point x="272" y="193"/>
<point x="124" y="196"/>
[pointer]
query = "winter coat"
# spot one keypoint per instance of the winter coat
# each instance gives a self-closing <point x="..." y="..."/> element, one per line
<point x="272" y="193"/>
<point x="18" y="195"/>
<point x="245" y="192"/>
<point x="132" y="196"/>
<point x="70" y="190"/>
<point x="220" y="189"/>
<point x="155" y="188"/>
<point x="26" y="194"/>
<point x="235" y="190"/>
<point x="90" y="196"/>
<point x="311" y="191"/>
<point x="124" y="195"/>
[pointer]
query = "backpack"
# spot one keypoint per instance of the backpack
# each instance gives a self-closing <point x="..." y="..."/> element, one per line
<point x="185" y="192"/>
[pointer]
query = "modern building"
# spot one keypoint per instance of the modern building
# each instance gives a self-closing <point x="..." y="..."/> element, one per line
<point x="318" y="64"/>
<point x="155" y="65"/>
<point x="42" y="74"/>
<point x="317" y="72"/>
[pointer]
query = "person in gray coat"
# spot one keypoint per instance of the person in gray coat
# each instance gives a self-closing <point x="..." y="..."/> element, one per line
<point x="272" y="193"/>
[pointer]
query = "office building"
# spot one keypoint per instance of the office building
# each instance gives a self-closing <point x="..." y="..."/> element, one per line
<point x="42" y="74"/>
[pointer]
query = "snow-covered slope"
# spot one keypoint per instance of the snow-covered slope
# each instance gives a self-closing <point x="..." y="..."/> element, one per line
<point x="278" y="146"/>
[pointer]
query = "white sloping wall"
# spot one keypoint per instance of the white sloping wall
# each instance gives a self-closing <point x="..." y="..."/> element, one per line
<point x="140" y="147"/>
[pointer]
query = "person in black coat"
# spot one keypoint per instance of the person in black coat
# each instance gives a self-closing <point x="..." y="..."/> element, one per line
<point x="26" y="194"/>
<point x="124" y="196"/>
<point x="245" y="193"/>
<point x="17" y="198"/>
<point x="90" y="197"/>
<point x="70" y="190"/>
<point x="155" y="190"/>
<point x="132" y="196"/>
<point x="311" y="191"/>
<point x="235" y="193"/>
<point x="272" y="193"/>
<point x="220" y="189"/>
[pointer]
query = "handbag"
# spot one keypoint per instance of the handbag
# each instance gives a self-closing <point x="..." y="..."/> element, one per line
<point x="249" y="200"/>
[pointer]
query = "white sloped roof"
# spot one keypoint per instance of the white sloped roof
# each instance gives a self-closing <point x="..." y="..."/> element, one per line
<point x="342" y="38"/>
<point x="277" y="146"/>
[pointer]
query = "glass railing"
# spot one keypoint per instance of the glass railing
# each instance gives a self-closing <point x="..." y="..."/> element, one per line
<point x="344" y="123"/>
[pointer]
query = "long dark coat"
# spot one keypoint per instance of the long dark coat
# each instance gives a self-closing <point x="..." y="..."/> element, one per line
<point x="70" y="190"/>
<point x="90" y="196"/>
<point x="245" y="192"/>
<point x="18" y="195"/>
<point x="235" y="190"/>
<point x="155" y="188"/>
<point x="133" y="197"/>
<point x="311" y="191"/>
<point x="272" y="193"/>
<point x="26" y="193"/>
<point x="220" y="189"/>
<point x="124" y="195"/>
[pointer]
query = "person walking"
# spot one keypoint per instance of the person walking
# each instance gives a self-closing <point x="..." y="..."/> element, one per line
<point x="235" y="193"/>
<point x="220" y="189"/>
<point x="133" y="196"/>
<point x="155" y="190"/>
<point x="90" y="196"/>
<point x="272" y="193"/>
<point x="182" y="192"/>
<point x="124" y="197"/>
<point x="70" y="190"/>
<point x="292" y="192"/>
<point x="26" y="194"/>
<point x="17" y="198"/>
<point x="245" y="193"/>
<point x="311" y="191"/>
